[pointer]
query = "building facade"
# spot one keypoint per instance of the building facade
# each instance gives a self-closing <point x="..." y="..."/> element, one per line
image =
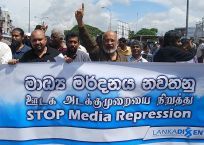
<point x="191" y="31"/>
<point x="5" y="22"/>
<point x="123" y="30"/>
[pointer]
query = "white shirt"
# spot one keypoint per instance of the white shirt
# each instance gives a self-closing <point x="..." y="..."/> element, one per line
<point x="132" y="59"/>
<point x="199" y="50"/>
<point x="5" y="53"/>
<point x="82" y="48"/>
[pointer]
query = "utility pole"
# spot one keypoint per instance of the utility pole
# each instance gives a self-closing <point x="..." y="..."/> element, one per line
<point x="202" y="25"/>
<point x="110" y="14"/>
<point x="187" y="16"/>
<point x="29" y="16"/>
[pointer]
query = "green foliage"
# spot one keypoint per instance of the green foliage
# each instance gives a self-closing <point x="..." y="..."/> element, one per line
<point x="131" y="34"/>
<point x="145" y="31"/>
<point x="93" y="31"/>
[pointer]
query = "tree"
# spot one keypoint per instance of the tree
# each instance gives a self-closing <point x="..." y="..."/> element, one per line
<point x="131" y="34"/>
<point x="93" y="31"/>
<point x="145" y="31"/>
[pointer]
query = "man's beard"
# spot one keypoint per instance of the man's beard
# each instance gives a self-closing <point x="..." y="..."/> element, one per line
<point x="38" y="48"/>
<point x="15" y="44"/>
<point x="109" y="51"/>
<point x="71" y="52"/>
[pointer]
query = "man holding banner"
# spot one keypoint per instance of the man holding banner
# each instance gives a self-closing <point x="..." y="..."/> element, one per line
<point x="97" y="103"/>
<point x="40" y="52"/>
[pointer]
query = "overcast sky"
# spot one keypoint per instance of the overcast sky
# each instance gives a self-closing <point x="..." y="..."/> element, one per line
<point x="162" y="14"/>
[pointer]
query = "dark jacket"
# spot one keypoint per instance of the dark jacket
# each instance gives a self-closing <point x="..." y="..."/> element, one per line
<point x="95" y="52"/>
<point x="52" y="55"/>
<point x="174" y="54"/>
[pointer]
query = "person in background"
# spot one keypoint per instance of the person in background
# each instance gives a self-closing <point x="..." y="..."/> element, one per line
<point x="18" y="47"/>
<point x="200" y="51"/>
<point x="5" y="53"/>
<point x="146" y="54"/>
<point x="172" y="50"/>
<point x="123" y="48"/>
<point x="187" y="44"/>
<point x="136" y="48"/>
<point x="57" y="40"/>
<point x="41" y="27"/>
<point x="27" y="39"/>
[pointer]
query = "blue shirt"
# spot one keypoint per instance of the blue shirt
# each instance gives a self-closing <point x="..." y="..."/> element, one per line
<point x="19" y="54"/>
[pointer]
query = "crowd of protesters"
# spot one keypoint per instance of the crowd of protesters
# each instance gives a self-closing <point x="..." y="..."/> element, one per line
<point x="37" y="47"/>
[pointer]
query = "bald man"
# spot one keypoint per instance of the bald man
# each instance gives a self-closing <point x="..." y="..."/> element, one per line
<point x="40" y="52"/>
<point x="108" y="51"/>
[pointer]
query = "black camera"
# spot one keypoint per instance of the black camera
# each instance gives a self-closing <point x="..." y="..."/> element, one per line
<point x="185" y="40"/>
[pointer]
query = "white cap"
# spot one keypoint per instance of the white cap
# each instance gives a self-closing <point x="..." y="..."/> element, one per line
<point x="28" y="34"/>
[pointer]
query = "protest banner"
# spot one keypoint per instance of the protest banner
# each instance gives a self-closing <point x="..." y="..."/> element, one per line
<point x="102" y="103"/>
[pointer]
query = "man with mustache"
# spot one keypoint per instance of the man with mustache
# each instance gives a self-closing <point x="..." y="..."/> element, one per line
<point x="74" y="53"/>
<point x="18" y="47"/>
<point x="108" y="52"/>
<point x="136" y="49"/>
<point x="40" y="52"/>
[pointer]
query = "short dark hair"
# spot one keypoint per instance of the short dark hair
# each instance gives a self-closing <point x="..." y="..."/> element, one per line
<point x="123" y="40"/>
<point x="38" y="27"/>
<point x="71" y="35"/>
<point x="171" y="37"/>
<point x="19" y="30"/>
<point x="136" y="42"/>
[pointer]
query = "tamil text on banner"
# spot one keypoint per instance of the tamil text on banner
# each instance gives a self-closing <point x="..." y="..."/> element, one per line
<point x="102" y="103"/>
